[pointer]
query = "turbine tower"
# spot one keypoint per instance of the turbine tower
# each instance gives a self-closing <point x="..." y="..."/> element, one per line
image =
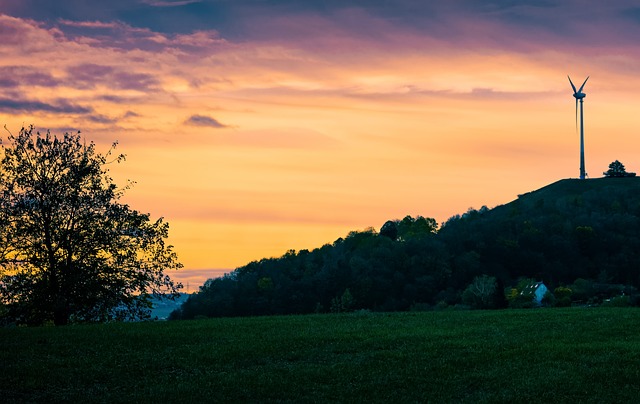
<point x="579" y="96"/>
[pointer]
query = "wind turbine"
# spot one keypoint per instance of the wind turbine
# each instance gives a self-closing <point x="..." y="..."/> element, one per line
<point x="579" y="96"/>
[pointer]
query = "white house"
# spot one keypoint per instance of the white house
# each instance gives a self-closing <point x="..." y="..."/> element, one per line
<point x="538" y="290"/>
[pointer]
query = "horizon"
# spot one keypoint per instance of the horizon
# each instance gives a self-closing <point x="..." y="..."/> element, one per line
<point x="255" y="128"/>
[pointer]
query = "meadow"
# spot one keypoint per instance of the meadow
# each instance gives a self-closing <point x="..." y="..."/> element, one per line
<point x="549" y="355"/>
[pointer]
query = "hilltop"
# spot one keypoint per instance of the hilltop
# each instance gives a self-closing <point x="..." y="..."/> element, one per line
<point x="567" y="230"/>
<point x="579" y="237"/>
<point x="570" y="189"/>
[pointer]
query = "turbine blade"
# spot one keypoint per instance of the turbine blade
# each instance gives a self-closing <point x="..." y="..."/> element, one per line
<point x="582" y="86"/>
<point x="572" y="86"/>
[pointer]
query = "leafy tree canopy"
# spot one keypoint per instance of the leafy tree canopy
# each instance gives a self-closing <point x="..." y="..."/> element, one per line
<point x="69" y="250"/>
<point x="616" y="169"/>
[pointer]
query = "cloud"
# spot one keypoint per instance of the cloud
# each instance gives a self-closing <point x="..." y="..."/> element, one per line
<point x="88" y="75"/>
<point x="130" y="114"/>
<point x="121" y="35"/>
<point x="117" y="99"/>
<point x="98" y="118"/>
<point x="60" y="106"/>
<point x="157" y="3"/>
<point x="15" y="76"/>
<point x="203" y="120"/>
<point x="29" y="35"/>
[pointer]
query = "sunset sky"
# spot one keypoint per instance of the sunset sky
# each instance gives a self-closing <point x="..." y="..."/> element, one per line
<point x="255" y="127"/>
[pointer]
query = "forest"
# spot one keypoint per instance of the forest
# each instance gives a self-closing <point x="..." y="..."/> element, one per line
<point x="579" y="237"/>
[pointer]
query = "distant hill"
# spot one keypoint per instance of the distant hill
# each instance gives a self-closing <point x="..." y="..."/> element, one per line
<point x="162" y="307"/>
<point x="580" y="237"/>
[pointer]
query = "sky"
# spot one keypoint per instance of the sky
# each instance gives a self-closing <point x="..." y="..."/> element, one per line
<point x="259" y="126"/>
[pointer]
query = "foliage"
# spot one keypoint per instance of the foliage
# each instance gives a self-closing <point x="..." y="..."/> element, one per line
<point x="618" y="301"/>
<point x="562" y="296"/>
<point x="343" y="303"/>
<point x="69" y="251"/>
<point x="523" y="294"/>
<point x="389" y="229"/>
<point x="561" y="355"/>
<point x="616" y="169"/>
<point x="566" y="231"/>
<point x="482" y="293"/>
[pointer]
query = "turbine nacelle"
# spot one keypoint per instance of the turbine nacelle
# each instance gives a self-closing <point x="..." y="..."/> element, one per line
<point x="577" y="93"/>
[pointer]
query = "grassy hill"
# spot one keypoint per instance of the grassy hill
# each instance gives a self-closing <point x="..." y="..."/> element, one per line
<point x="561" y="355"/>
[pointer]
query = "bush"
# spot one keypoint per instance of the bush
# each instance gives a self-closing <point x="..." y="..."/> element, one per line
<point x="618" y="301"/>
<point x="482" y="293"/>
<point x="343" y="303"/>
<point x="562" y="296"/>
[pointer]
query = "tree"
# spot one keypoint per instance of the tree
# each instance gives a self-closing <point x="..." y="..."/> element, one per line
<point x="616" y="169"/>
<point x="343" y="303"/>
<point x="69" y="250"/>
<point x="420" y="226"/>
<point x="481" y="293"/>
<point x="389" y="229"/>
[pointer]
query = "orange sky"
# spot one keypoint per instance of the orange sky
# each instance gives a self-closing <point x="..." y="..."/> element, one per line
<point x="286" y="127"/>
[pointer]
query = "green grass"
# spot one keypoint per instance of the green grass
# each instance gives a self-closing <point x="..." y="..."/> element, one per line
<point x="556" y="355"/>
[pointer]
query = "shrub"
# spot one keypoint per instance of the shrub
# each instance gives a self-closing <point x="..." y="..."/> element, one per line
<point x="618" y="301"/>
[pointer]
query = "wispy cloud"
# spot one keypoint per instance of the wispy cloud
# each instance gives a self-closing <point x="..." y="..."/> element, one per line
<point x="59" y="106"/>
<point x="203" y="120"/>
<point x="130" y="114"/>
<point x="101" y="119"/>
<point x="15" y="76"/>
<point x="89" y="75"/>
<point x="177" y="3"/>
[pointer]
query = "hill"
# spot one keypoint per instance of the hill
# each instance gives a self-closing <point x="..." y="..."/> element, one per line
<point x="625" y="190"/>
<point x="162" y="308"/>
<point x="567" y="230"/>
<point x="579" y="237"/>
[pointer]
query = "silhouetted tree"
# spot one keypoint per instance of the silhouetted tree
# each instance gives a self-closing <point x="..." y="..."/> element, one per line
<point x="389" y="229"/>
<point x="616" y="169"/>
<point x="68" y="249"/>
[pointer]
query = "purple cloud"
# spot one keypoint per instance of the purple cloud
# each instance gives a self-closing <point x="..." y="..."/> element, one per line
<point x="16" y="76"/>
<point x="203" y="120"/>
<point x="119" y="35"/>
<point x="130" y="114"/>
<point x="61" y="106"/>
<point x="87" y="75"/>
<point x="158" y="3"/>
<point x="98" y="118"/>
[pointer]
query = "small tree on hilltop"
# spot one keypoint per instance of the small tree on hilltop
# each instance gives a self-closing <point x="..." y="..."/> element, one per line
<point x="616" y="169"/>
<point x="69" y="251"/>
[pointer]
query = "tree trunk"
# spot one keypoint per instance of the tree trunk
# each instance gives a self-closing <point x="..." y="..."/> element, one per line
<point x="60" y="316"/>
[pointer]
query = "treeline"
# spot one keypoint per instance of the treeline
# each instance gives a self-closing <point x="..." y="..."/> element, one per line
<point x="581" y="238"/>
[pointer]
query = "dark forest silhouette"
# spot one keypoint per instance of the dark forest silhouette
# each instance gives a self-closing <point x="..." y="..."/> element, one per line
<point x="578" y="237"/>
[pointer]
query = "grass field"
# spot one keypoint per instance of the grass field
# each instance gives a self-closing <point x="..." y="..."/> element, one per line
<point x="555" y="355"/>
